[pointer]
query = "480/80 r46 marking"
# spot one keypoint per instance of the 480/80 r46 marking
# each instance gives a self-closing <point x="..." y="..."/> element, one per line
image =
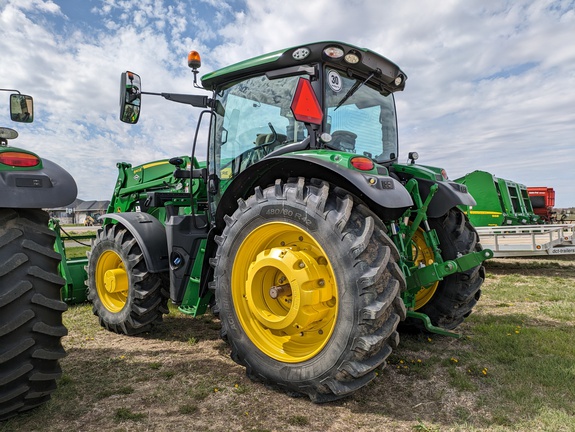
<point x="308" y="288"/>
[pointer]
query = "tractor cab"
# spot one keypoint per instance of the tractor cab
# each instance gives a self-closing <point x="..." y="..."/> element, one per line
<point x="321" y="96"/>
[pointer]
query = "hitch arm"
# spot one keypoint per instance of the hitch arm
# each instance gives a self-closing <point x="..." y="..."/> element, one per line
<point x="427" y="275"/>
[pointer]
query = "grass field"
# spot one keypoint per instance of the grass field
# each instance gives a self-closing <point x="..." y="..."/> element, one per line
<point x="513" y="370"/>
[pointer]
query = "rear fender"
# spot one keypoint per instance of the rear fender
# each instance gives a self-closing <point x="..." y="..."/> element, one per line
<point x="383" y="194"/>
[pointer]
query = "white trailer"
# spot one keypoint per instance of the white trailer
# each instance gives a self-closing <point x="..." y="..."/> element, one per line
<point x="528" y="240"/>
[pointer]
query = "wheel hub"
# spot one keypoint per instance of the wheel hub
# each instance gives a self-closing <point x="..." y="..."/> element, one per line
<point x="294" y="306"/>
<point x="112" y="282"/>
<point x="116" y="280"/>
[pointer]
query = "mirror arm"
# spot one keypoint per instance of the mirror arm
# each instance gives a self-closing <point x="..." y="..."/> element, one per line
<point x="11" y="90"/>
<point x="194" y="100"/>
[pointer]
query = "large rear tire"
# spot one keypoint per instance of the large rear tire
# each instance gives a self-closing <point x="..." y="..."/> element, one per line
<point x="125" y="296"/>
<point x="308" y="289"/>
<point x="450" y="301"/>
<point x="30" y="311"/>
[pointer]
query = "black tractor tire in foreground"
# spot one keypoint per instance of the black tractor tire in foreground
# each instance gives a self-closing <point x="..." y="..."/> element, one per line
<point x="457" y="294"/>
<point x="30" y="311"/>
<point x="308" y="289"/>
<point x="125" y="297"/>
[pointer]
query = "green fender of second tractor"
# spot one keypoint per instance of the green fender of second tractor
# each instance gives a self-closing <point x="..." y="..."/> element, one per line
<point x="150" y="235"/>
<point x="49" y="187"/>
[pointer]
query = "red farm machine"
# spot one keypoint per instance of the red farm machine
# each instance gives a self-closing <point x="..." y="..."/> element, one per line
<point x="543" y="202"/>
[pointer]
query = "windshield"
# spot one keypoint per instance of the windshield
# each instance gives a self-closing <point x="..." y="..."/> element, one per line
<point x="365" y="122"/>
<point x="253" y="118"/>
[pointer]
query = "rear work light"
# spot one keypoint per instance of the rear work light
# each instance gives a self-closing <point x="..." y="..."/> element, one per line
<point x="334" y="52"/>
<point x="352" y="57"/>
<point x="362" y="163"/>
<point x="19" y="159"/>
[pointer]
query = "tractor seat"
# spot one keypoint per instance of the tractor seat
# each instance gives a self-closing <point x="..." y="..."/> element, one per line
<point x="343" y="141"/>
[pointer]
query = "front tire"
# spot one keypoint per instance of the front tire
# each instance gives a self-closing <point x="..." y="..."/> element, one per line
<point x="30" y="311"/>
<point x="451" y="300"/>
<point x="125" y="296"/>
<point x="308" y="289"/>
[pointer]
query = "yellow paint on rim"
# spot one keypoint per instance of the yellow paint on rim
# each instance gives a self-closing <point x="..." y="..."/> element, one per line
<point x="423" y="255"/>
<point x="112" y="283"/>
<point x="284" y="292"/>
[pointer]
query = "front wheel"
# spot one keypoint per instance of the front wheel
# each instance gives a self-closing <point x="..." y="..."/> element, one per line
<point x="125" y="297"/>
<point x="30" y="311"/>
<point x="308" y="289"/>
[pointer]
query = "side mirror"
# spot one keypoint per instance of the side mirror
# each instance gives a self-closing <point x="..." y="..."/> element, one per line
<point x="130" y="97"/>
<point x="21" y="108"/>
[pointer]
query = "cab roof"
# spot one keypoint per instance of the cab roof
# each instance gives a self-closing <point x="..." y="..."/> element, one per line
<point x="387" y="72"/>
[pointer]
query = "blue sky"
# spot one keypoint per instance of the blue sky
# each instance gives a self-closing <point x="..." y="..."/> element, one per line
<point x="491" y="83"/>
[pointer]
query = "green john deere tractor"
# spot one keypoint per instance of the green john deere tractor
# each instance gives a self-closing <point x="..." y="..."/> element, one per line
<point x="300" y="229"/>
<point x="30" y="306"/>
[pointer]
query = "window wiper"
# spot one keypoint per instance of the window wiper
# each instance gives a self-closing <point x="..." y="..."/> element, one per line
<point x="353" y="89"/>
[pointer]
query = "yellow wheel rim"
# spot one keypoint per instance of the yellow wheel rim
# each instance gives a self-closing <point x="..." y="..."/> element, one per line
<point x="284" y="292"/>
<point x="423" y="255"/>
<point x="112" y="281"/>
